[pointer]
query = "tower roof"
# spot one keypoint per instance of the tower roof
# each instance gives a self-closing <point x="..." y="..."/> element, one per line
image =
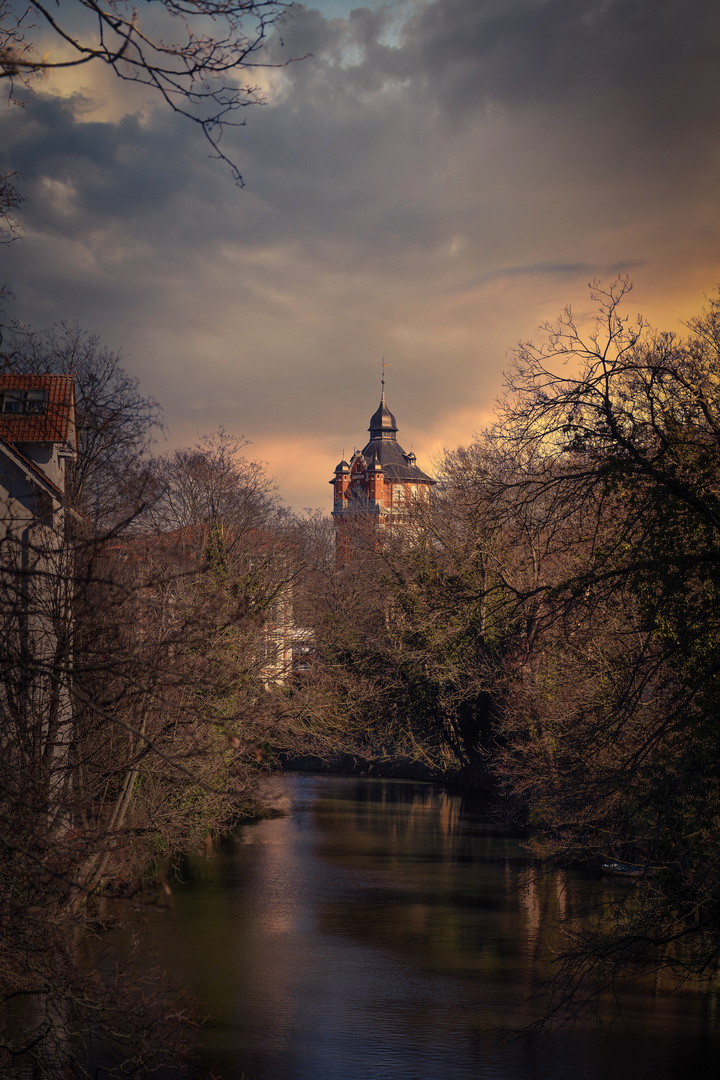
<point x="383" y="453"/>
<point x="382" y="421"/>
<point x="385" y="450"/>
<point x="394" y="462"/>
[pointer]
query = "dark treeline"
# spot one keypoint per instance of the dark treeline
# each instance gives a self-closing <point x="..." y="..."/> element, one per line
<point x="544" y="632"/>
<point x="139" y="693"/>
<point x="553" y="620"/>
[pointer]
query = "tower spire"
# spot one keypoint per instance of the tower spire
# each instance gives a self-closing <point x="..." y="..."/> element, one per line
<point x="382" y="381"/>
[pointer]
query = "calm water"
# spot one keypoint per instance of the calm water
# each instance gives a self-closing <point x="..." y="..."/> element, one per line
<point x="381" y="929"/>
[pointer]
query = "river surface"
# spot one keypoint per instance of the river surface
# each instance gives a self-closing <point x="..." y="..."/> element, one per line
<point x="384" y="929"/>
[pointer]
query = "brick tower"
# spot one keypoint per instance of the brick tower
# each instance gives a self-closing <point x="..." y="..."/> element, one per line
<point x="381" y="482"/>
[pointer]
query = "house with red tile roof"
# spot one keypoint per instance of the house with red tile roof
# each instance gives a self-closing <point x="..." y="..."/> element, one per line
<point x="38" y="437"/>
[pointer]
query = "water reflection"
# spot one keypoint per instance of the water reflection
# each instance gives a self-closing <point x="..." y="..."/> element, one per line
<point x="385" y="929"/>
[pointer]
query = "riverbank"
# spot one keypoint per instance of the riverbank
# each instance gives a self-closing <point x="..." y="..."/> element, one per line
<point x="386" y="768"/>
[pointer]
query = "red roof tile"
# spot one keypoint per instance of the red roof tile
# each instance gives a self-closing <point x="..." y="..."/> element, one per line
<point x="57" y="424"/>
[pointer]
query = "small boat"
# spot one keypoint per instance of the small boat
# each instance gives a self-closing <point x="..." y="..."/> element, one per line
<point x="623" y="869"/>
<point x="627" y="869"/>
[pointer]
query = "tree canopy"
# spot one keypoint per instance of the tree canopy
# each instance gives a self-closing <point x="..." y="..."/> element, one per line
<point x="610" y="724"/>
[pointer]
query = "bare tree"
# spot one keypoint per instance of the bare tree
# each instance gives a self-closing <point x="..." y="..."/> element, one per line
<point x="10" y="201"/>
<point x="126" y="664"/>
<point x="90" y="798"/>
<point x="611" y="734"/>
<point x="115" y="419"/>
<point x="212" y="485"/>
<point x="192" y="53"/>
<point x="402" y="665"/>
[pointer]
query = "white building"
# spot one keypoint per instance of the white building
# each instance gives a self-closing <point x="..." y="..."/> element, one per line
<point x="37" y="439"/>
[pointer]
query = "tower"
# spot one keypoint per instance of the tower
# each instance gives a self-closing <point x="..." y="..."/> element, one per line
<point x="381" y="482"/>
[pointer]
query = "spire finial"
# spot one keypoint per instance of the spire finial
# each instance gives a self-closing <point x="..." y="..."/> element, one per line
<point x="382" y="381"/>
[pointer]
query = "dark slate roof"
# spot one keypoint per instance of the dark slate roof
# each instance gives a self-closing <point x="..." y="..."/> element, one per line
<point x="382" y="421"/>
<point x="391" y="457"/>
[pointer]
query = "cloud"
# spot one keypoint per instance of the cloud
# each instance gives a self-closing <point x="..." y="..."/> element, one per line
<point x="656" y="58"/>
<point x="435" y="179"/>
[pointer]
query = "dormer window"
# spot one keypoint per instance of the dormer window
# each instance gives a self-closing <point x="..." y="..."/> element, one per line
<point x="24" y="402"/>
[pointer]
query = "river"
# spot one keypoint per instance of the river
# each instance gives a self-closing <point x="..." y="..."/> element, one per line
<point x="385" y="929"/>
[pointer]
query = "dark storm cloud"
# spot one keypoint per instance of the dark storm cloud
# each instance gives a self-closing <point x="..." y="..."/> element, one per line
<point x="383" y="147"/>
<point x="658" y="58"/>
<point x="120" y="171"/>
<point x="432" y="181"/>
<point x="616" y="103"/>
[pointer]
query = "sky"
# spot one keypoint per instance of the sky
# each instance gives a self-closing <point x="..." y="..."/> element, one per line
<point x="430" y="183"/>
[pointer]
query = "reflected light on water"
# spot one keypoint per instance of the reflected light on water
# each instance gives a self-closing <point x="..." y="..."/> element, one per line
<point x="385" y="929"/>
